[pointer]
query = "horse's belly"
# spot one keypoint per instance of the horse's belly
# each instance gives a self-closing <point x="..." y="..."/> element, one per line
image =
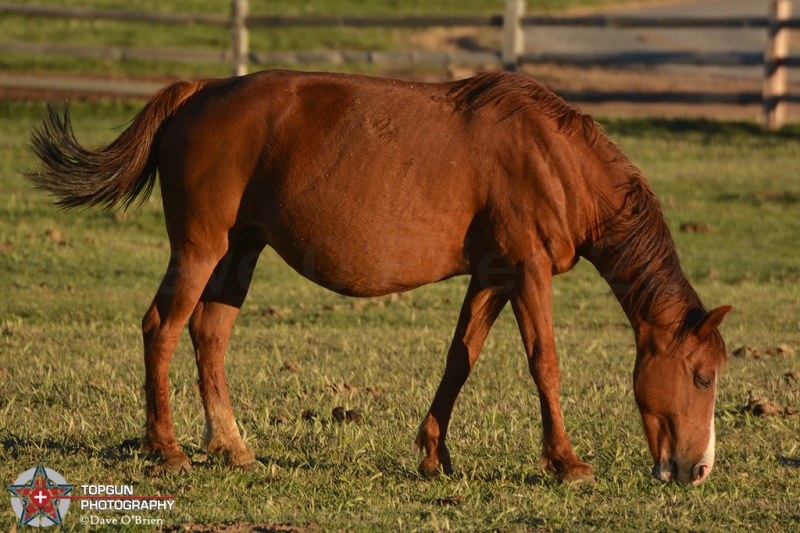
<point x="372" y="260"/>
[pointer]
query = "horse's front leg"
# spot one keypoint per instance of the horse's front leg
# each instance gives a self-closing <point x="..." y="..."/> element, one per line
<point x="532" y="307"/>
<point x="478" y="312"/>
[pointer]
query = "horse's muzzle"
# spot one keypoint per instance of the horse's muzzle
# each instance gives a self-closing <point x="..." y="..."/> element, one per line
<point x="690" y="475"/>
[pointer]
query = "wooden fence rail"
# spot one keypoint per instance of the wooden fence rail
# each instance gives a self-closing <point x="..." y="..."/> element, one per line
<point x="512" y="22"/>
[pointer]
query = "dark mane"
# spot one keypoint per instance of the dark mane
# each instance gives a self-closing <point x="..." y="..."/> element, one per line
<point x="640" y="259"/>
<point x="513" y="94"/>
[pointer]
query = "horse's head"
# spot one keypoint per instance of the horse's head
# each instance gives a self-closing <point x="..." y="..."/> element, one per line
<point x="675" y="383"/>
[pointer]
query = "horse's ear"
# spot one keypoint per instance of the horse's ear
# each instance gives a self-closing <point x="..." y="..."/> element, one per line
<point x="711" y="321"/>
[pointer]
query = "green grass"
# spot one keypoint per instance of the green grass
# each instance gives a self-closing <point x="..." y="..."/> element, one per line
<point x="150" y="35"/>
<point x="71" y="371"/>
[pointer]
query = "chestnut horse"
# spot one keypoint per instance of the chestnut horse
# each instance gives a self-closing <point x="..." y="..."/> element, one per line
<point x="370" y="186"/>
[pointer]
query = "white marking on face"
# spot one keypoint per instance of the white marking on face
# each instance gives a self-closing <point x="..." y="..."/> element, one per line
<point x="708" y="457"/>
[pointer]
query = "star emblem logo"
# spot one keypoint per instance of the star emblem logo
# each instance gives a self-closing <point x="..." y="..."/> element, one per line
<point x="38" y="497"/>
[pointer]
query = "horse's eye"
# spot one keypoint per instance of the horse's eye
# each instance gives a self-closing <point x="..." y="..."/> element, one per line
<point x="702" y="382"/>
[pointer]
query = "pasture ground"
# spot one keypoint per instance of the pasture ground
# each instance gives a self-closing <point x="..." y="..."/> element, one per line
<point x="75" y="285"/>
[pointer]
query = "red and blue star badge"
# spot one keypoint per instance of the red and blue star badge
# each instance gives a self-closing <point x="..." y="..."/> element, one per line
<point x="37" y="497"/>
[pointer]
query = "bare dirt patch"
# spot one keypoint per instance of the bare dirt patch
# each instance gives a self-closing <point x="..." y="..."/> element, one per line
<point x="244" y="527"/>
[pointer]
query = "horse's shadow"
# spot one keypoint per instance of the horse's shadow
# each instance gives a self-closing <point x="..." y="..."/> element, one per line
<point x="15" y="444"/>
<point x="131" y="449"/>
<point x="402" y="469"/>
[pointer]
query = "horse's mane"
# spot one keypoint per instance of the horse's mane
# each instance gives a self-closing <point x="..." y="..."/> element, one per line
<point x="641" y="262"/>
<point x="637" y="246"/>
<point x="513" y="93"/>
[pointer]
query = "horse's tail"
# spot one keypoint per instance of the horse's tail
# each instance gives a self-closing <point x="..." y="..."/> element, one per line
<point x="118" y="173"/>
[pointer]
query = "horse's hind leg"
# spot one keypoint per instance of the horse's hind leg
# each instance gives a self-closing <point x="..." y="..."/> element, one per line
<point x="478" y="312"/>
<point x="189" y="269"/>
<point x="210" y="329"/>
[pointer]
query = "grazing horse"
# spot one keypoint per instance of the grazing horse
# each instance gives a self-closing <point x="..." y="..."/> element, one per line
<point x="370" y="186"/>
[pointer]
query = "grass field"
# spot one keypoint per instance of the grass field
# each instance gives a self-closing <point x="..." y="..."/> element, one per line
<point x="75" y="285"/>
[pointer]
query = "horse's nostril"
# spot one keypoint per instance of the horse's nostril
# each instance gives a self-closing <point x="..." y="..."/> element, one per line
<point x="666" y="471"/>
<point x="699" y="473"/>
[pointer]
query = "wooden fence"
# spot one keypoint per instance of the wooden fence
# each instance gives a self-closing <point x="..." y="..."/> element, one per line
<point x="513" y="55"/>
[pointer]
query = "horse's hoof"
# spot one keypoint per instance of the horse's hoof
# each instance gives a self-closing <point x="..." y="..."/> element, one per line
<point x="432" y="473"/>
<point x="429" y="473"/>
<point x="247" y="467"/>
<point x="578" y="479"/>
<point x="433" y="469"/>
<point x="177" y="464"/>
<point x="580" y="473"/>
<point x="243" y="459"/>
<point x="429" y="468"/>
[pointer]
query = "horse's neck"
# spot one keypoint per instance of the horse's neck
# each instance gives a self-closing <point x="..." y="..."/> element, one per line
<point x="633" y="250"/>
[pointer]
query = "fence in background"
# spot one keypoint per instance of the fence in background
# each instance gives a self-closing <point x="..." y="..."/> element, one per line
<point x="512" y="55"/>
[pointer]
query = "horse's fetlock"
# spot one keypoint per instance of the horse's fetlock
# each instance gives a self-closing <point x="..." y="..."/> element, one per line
<point x="219" y="444"/>
<point x="568" y="468"/>
<point x="242" y="457"/>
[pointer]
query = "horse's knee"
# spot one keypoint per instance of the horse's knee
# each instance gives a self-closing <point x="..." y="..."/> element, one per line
<point x="545" y="370"/>
<point x="210" y="326"/>
<point x="200" y="334"/>
<point x="151" y="321"/>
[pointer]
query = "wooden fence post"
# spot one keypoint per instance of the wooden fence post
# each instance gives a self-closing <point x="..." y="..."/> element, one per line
<point x="240" y="39"/>
<point x="775" y="73"/>
<point x="513" y="36"/>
